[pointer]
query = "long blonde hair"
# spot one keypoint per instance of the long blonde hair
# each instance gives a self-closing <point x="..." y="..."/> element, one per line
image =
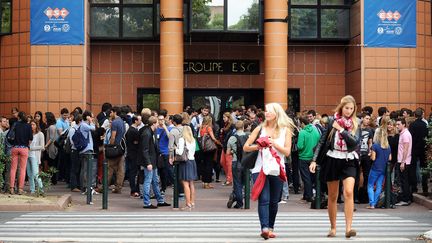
<point x="187" y="134"/>
<point x="282" y="119"/>
<point x="381" y="138"/>
<point x="346" y="100"/>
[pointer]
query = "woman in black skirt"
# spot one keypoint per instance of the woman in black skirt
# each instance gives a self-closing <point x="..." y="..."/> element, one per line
<point x="337" y="157"/>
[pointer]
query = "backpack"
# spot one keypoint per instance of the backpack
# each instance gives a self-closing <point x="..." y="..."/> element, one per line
<point x="241" y="140"/>
<point x="10" y="136"/>
<point x="60" y="141"/>
<point x="79" y="141"/>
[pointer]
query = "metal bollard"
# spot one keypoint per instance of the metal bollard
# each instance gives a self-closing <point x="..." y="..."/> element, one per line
<point x="88" y="158"/>
<point x="105" y="185"/>
<point x="247" y="188"/>
<point x="176" y="186"/>
<point x="318" y="188"/>
<point x="388" y="185"/>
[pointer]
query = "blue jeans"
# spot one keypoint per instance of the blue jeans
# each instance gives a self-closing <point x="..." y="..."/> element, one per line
<point x="306" y="178"/>
<point x="238" y="177"/>
<point x="268" y="200"/>
<point x="33" y="174"/>
<point x="151" y="179"/>
<point x="378" y="178"/>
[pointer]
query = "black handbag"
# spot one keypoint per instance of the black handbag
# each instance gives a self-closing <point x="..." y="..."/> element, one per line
<point x="249" y="158"/>
<point x="113" y="151"/>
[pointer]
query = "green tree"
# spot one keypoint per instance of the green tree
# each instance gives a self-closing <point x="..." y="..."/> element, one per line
<point x="105" y="22"/>
<point x="249" y="21"/>
<point x="200" y="14"/>
<point x="217" y="22"/>
<point x="6" y="17"/>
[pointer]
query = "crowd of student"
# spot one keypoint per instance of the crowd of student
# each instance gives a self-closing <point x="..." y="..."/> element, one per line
<point x="202" y="147"/>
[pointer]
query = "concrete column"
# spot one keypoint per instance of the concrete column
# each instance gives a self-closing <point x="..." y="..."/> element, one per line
<point x="276" y="52"/>
<point x="171" y="56"/>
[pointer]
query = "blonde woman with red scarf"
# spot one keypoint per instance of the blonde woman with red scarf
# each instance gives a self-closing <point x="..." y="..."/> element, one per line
<point x="273" y="141"/>
<point x="338" y="159"/>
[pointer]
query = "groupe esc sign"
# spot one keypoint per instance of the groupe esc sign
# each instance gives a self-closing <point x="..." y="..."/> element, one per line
<point x="390" y="23"/>
<point x="57" y="22"/>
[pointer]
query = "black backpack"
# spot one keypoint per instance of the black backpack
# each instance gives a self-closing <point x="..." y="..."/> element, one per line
<point x="10" y="136"/>
<point x="241" y="140"/>
<point x="61" y="140"/>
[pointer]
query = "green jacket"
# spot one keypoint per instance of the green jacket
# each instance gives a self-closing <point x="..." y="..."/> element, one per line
<point x="307" y="140"/>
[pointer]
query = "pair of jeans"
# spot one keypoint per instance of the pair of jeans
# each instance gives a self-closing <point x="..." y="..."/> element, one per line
<point x="268" y="200"/>
<point x="132" y="168"/>
<point x="151" y="179"/>
<point x="226" y="163"/>
<point x="166" y="173"/>
<point x="22" y="153"/>
<point x="33" y="174"/>
<point x="306" y="178"/>
<point x="208" y="158"/>
<point x="75" y="170"/>
<point x="375" y="177"/>
<point x="86" y="158"/>
<point x="116" y="165"/>
<point x="295" y="171"/>
<point x="238" y="174"/>
<point x="405" y="185"/>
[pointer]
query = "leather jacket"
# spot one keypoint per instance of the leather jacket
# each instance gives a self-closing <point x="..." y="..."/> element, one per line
<point x="352" y="141"/>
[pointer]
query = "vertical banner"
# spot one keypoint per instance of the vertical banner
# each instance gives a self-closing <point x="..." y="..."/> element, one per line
<point x="390" y="23"/>
<point x="57" y="22"/>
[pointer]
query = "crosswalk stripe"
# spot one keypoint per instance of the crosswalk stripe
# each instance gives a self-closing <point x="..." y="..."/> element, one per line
<point x="201" y="227"/>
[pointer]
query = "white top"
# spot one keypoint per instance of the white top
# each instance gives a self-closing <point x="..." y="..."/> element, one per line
<point x="280" y="141"/>
<point x="36" y="146"/>
<point x="189" y="146"/>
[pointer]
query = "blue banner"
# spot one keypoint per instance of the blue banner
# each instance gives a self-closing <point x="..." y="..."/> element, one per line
<point x="390" y="23"/>
<point x="57" y="22"/>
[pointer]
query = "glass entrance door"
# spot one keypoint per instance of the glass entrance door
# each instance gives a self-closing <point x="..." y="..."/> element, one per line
<point x="222" y="100"/>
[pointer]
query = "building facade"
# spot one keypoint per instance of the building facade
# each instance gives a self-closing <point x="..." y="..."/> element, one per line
<point x="172" y="53"/>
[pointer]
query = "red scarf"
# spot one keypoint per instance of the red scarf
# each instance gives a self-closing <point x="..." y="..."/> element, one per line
<point x="261" y="179"/>
<point x="345" y="123"/>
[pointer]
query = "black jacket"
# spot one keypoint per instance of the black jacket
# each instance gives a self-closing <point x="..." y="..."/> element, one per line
<point x="132" y="143"/>
<point x="419" y="132"/>
<point x="351" y="140"/>
<point x="148" y="148"/>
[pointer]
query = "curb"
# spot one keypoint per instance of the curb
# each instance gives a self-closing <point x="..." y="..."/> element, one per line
<point x="422" y="200"/>
<point x="61" y="204"/>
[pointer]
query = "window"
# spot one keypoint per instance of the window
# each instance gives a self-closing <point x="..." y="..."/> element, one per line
<point x="225" y="15"/>
<point x="118" y="19"/>
<point x="319" y="19"/>
<point x="6" y="17"/>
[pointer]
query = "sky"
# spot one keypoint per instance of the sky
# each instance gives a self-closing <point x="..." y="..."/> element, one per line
<point x="236" y="8"/>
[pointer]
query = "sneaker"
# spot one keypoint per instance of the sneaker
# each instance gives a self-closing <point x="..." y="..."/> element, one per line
<point x="76" y="190"/>
<point x="21" y="192"/>
<point x="230" y="200"/>
<point x="151" y="206"/>
<point x="402" y="203"/>
<point x="116" y="190"/>
<point x="282" y="202"/>
<point x="164" y="204"/>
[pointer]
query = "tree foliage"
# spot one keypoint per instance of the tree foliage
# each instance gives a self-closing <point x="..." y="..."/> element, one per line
<point x="249" y="21"/>
<point x="6" y="20"/>
<point x="200" y="14"/>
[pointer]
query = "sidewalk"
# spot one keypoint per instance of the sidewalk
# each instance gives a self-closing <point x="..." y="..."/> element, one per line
<point x="208" y="200"/>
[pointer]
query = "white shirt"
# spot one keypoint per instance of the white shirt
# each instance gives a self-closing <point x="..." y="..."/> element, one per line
<point x="280" y="141"/>
<point x="189" y="146"/>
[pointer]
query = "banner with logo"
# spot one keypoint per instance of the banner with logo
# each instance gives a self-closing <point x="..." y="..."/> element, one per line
<point x="57" y="22"/>
<point x="390" y="23"/>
